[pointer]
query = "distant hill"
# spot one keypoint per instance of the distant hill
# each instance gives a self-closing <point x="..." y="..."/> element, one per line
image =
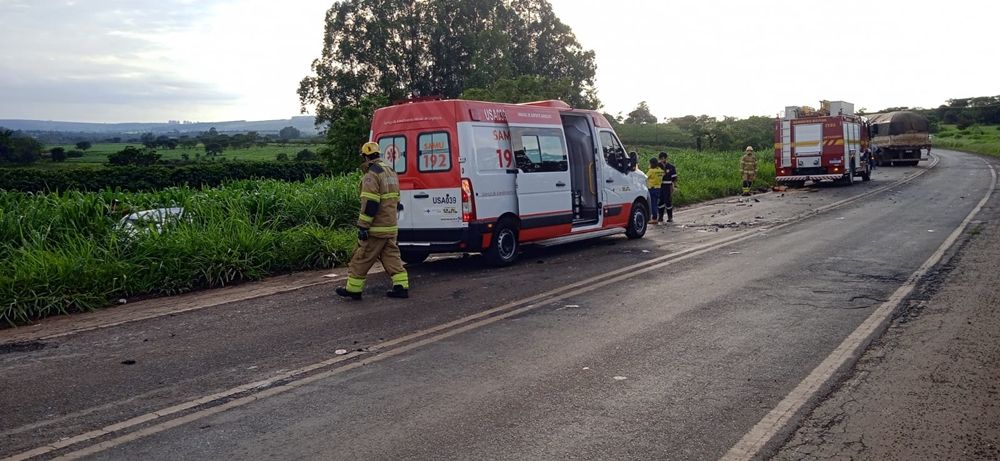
<point x="306" y="124"/>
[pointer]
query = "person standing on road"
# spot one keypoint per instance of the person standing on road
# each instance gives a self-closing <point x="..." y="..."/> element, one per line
<point x="377" y="228"/>
<point x="667" y="187"/>
<point x="748" y="167"/>
<point x="654" y="178"/>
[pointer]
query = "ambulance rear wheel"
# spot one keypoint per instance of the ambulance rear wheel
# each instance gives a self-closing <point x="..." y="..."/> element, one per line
<point x="503" y="245"/>
<point x="638" y="219"/>
<point x="414" y="257"/>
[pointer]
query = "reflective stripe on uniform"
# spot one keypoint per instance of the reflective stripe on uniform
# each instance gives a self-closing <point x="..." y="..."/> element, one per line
<point x="383" y="229"/>
<point x="355" y="285"/>
<point x="365" y="218"/>
<point x="401" y="279"/>
<point x="370" y="196"/>
<point x="390" y="195"/>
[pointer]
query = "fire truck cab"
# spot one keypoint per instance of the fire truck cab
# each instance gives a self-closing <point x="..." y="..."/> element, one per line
<point x="814" y="145"/>
<point x="488" y="177"/>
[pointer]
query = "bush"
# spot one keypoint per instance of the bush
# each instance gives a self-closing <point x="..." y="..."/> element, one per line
<point x="282" y="157"/>
<point x="153" y="177"/>
<point x="74" y="153"/>
<point x="133" y="156"/>
<point x="58" y="154"/>
<point x="305" y="155"/>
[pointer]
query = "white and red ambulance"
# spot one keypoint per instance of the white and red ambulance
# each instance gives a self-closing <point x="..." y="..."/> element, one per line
<point x="488" y="177"/>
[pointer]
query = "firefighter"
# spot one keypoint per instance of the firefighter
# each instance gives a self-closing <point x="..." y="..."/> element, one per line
<point x="667" y="188"/>
<point x="377" y="228"/>
<point x="748" y="166"/>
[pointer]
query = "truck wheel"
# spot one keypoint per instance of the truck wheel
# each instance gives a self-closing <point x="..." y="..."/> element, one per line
<point x="638" y="219"/>
<point x="414" y="257"/>
<point x="848" y="178"/>
<point x="503" y="245"/>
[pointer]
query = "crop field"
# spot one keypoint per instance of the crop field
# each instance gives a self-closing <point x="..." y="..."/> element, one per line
<point x="98" y="154"/>
<point x="709" y="175"/>
<point x="981" y="139"/>
<point x="67" y="252"/>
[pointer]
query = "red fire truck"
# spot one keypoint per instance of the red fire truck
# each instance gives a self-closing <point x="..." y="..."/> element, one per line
<point x="826" y="145"/>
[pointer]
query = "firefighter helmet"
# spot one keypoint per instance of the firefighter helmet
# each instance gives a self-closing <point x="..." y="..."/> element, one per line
<point x="370" y="148"/>
<point x="749" y="149"/>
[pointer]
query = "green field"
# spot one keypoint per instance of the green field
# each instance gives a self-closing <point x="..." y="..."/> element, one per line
<point x="98" y="154"/>
<point x="709" y="175"/>
<point x="981" y="139"/>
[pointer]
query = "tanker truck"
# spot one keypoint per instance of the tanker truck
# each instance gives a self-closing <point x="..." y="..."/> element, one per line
<point x="898" y="138"/>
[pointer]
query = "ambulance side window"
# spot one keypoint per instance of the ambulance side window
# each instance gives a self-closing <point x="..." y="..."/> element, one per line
<point x="434" y="152"/>
<point x="539" y="150"/>
<point x="394" y="152"/>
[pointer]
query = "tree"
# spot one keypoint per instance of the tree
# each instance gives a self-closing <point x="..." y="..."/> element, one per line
<point x="58" y="154"/>
<point x="346" y="135"/>
<point x="148" y="140"/>
<point x="84" y="145"/>
<point x="131" y="155"/>
<point x="213" y="148"/>
<point x="18" y="149"/>
<point x="525" y="88"/>
<point x="187" y="142"/>
<point x="641" y="115"/>
<point x="393" y="49"/>
<point x="289" y="132"/>
<point x="305" y="155"/>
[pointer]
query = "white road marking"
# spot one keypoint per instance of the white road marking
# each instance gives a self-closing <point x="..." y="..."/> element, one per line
<point x="777" y="420"/>
<point x="270" y="387"/>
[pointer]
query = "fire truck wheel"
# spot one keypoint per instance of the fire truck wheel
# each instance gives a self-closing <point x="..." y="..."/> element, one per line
<point x="503" y="245"/>
<point x="638" y="219"/>
<point x="414" y="257"/>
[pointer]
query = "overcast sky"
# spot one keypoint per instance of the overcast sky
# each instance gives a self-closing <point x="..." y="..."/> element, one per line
<point x="212" y="60"/>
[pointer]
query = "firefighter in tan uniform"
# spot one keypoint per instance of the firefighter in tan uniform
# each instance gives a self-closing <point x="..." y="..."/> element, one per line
<point x="377" y="228"/>
<point x="748" y="168"/>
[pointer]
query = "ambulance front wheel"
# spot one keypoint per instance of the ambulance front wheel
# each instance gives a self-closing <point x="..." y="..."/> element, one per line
<point x="638" y="219"/>
<point x="414" y="257"/>
<point x="503" y="245"/>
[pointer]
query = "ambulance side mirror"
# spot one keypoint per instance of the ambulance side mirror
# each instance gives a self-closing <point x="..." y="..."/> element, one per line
<point x="633" y="160"/>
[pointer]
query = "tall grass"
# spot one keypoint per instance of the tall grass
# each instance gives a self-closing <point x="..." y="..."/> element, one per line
<point x="66" y="252"/>
<point x="709" y="175"/>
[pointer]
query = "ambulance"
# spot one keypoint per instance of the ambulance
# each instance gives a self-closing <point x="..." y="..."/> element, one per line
<point x="490" y="177"/>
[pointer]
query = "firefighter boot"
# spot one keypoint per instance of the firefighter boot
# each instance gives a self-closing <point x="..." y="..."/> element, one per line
<point x="670" y="214"/>
<point x="341" y="291"/>
<point x="399" y="292"/>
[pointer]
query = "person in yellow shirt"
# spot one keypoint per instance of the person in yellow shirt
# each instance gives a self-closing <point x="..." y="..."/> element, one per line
<point x="653" y="178"/>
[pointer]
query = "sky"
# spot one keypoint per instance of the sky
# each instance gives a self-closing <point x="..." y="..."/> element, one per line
<point x="214" y="60"/>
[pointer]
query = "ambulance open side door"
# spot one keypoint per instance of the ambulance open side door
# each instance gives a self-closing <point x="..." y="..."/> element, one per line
<point x="544" y="193"/>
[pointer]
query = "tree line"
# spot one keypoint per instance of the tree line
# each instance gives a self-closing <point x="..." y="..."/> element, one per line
<point x="379" y="51"/>
<point x="964" y="112"/>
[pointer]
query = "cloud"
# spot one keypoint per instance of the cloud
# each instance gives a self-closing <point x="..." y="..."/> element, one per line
<point x="102" y="52"/>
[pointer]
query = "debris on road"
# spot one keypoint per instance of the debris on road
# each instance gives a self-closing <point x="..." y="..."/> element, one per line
<point x="620" y="378"/>
<point x="340" y="351"/>
<point x="128" y="362"/>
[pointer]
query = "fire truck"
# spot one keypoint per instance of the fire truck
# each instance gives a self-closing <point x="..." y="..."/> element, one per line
<point x="488" y="177"/>
<point x="830" y="144"/>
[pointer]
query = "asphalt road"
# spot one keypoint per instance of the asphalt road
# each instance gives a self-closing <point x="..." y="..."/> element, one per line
<point x="669" y="347"/>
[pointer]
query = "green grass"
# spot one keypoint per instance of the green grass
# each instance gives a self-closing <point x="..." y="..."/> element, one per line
<point x="980" y="139"/>
<point x="709" y="175"/>
<point x="65" y="252"/>
<point x="98" y="154"/>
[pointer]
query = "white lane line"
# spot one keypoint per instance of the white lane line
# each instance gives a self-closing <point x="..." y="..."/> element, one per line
<point x="848" y="352"/>
<point x="481" y="319"/>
